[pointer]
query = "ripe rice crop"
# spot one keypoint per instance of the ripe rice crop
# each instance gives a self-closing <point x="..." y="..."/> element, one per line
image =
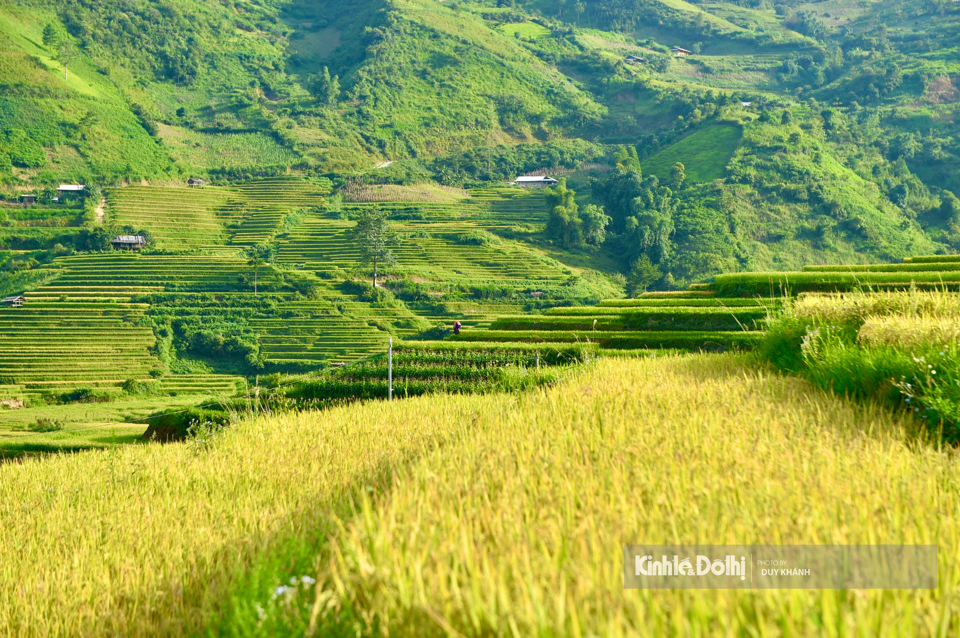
<point x="439" y="515"/>
<point x="902" y="348"/>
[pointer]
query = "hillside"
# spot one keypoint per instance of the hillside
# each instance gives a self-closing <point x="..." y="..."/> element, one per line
<point x="847" y="131"/>
<point x="798" y="134"/>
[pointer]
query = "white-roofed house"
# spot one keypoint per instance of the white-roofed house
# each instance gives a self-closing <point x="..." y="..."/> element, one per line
<point x="66" y="191"/>
<point x="535" y="181"/>
<point x="129" y="242"/>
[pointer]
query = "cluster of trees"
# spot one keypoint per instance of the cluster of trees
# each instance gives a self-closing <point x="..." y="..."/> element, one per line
<point x="807" y="23"/>
<point x="157" y="35"/>
<point x="634" y="220"/>
<point x="572" y="226"/>
<point x="506" y="162"/>
<point x="325" y="86"/>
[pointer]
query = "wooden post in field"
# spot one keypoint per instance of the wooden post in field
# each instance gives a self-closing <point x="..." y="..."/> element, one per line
<point x="538" y="359"/>
<point x="390" y="370"/>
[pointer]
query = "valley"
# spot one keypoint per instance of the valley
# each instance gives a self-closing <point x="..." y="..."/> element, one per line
<point x="409" y="317"/>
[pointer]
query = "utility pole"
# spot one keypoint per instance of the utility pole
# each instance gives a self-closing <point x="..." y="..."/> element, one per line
<point x="390" y="370"/>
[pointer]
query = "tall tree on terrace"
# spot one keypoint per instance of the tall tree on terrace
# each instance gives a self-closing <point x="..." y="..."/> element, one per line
<point x="375" y="239"/>
<point x="257" y="258"/>
<point x="65" y="56"/>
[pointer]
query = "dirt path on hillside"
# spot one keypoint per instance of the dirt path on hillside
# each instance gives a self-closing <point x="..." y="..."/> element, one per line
<point x="99" y="210"/>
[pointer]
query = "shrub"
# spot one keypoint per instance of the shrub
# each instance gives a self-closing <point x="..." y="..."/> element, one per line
<point x="179" y="425"/>
<point x="47" y="425"/>
<point x="85" y="395"/>
<point x="136" y="387"/>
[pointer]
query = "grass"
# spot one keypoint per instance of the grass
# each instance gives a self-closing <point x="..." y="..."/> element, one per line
<point x="509" y="547"/>
<point x="704" y="154"/>
<point x="898" y="347"/>
<point x="201" y="151"/>
<point x="524" y="30"/>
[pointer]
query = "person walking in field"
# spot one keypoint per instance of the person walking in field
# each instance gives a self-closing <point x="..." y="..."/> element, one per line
<point x="456" y="327"/>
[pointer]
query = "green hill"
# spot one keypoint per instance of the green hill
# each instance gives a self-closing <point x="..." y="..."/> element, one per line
<point x="807" y="133"/>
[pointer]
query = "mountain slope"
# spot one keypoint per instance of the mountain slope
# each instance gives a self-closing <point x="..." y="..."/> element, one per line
<point x="246" y="85"/>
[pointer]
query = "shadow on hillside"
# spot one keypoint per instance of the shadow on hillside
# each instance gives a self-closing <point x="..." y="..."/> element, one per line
<point x="330" y="34"/>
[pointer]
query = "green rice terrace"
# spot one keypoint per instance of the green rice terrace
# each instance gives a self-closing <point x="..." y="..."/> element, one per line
<point x="108" y="343"/>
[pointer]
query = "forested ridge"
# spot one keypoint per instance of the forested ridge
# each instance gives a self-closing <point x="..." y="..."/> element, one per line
<point x="804" y="131"/>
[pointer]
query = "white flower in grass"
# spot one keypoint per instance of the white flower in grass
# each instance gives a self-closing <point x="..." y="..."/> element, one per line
<point x="282" y="590"/>
<point x="309" y="582"/>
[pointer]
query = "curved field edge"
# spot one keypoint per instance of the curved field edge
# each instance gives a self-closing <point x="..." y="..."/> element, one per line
<point x="481" y="514"/>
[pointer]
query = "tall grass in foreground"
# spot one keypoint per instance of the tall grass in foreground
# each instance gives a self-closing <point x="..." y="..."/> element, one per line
<point x="493" y="515"/>
<point x="902" y="348"/>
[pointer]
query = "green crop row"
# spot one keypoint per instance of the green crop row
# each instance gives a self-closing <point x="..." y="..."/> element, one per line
<point x="328" y="390"/>
<point x="692" y="340"/>
<point x="932" y="258"/>
<point x="692" y="302"/>
<point x="781" y="284"/>
<point x="709" y="319"/>
<point x="931" y="266"/>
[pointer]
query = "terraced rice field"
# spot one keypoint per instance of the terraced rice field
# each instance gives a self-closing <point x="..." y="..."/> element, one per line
<point x="90" y="323"/>
<point x="681" y="321"/>
<point x="121" y="276"/>
<point x="928" y="271"/>
<point x="214" y="216"/>
<point x="51" y="347"/>
<point x="436" y="254"/>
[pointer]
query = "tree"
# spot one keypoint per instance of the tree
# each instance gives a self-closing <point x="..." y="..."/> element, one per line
<point x="333" y="89"/>
<point x="257" y="258"/>
<point x="50" y="36"/>
<point x="899" y="195"/>
<point x="564" y="223"/>
<point x="643" y="274"/>
<point x="375" y="239"/>
<point x="579" y="7"/>
<point x="594" y="222"/>
<point x="325" y="86"/>
<point x="65" y="55"/>
<point x="950" y="209"/>
<point x="678" y="175"/>
<point x="627" y="158"/>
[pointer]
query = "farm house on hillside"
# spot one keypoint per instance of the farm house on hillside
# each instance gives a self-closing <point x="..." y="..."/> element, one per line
<point x="633" y="59"/>
<point x="68" y="190"/>
<point x="196" y="182"/>
<point x="15" y="301"/>
<point x="535" y="181"/>
<point x="29" y="198"/>
<point x="680" y="51"/>
<point x="129" y="242"/>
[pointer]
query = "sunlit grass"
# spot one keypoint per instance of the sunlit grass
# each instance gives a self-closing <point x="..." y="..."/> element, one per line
<point x="494" y="515"/>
